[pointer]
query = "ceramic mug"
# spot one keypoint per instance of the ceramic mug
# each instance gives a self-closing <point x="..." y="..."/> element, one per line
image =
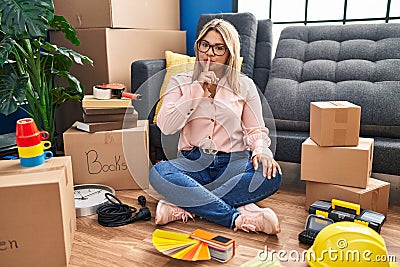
<point x="32" y="140"/>
<point x="33" y="151"/>
<point x="26" y="127"/>
<point x="36" y="161"/>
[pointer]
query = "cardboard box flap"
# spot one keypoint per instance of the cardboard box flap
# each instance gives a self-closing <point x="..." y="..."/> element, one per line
<point x="335" y="104"/>
<point x="50" y="176"/>
<point x="363" y="144"/>
<point x="14" y="167"/>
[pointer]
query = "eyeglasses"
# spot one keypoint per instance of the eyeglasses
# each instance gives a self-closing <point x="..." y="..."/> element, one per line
<point x="218" y="49"/>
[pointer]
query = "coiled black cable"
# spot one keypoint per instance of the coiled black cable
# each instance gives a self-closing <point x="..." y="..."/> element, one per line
<point x="115" y="213"/>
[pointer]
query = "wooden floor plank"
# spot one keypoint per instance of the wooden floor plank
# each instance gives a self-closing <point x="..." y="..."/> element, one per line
<point x="130" y="245"/>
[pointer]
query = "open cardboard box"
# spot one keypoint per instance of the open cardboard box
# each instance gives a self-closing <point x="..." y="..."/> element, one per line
<point x="38" y="213"/>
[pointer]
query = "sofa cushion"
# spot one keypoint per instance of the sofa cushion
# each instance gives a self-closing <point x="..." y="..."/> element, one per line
<point x="356" y="63"/>
<point x="246" y="25"/>
<point x="262" y="63"/>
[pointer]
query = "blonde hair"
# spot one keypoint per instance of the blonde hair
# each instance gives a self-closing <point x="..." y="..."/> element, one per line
<point x="231" y="39"/>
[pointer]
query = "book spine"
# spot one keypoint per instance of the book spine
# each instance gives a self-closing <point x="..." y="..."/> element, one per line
<point x="109" y="117"/>
<point x="105" y="111"/>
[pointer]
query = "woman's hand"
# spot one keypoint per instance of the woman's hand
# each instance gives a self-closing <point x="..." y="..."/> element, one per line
<point x="207" y="77"/>
<point x="269" y="165"/>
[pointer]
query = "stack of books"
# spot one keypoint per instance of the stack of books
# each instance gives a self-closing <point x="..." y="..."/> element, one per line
<point x="198" y="245"/>
<point x="107" y="114"/>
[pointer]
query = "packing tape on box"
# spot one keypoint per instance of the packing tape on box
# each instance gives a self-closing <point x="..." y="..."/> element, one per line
<point x="339" y="136"/>
<point x="101" y="93"/>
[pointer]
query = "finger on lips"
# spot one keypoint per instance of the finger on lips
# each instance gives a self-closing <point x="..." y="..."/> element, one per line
<point x="207" y="67"/>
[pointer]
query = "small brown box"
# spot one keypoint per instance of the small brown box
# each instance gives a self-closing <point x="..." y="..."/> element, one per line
<point x="118" y="158"/>
<point x="39" y="220"/>
<point x="335" y="123"/>
<point x="347" y="165"/>
<point x="375" y="197"/>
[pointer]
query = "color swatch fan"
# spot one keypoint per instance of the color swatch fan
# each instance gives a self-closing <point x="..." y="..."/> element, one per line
<point x="180" y="246"/>
<point x="198" y="245"/>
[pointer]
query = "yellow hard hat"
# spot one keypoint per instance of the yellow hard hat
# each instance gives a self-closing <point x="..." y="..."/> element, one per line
<point x="348" y="244"/>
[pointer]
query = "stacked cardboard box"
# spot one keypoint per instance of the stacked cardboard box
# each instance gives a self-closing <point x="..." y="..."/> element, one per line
<point x="116" y="33"/>
<point x="336" y="162"/>
<point x="38" y="213"/>
<point x="118" y="158"/>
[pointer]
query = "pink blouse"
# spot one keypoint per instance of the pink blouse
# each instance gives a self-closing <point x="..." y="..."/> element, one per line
<point x="228" y="122"/>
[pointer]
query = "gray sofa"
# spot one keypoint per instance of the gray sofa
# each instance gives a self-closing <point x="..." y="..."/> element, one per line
<point x="357" y="63"/>
<point x="256" y="45"/>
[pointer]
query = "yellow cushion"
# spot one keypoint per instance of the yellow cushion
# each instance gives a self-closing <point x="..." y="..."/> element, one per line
<point x="175" y="63"/>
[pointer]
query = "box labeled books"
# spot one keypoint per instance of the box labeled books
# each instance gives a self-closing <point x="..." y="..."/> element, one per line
<point x="118" y="158"/>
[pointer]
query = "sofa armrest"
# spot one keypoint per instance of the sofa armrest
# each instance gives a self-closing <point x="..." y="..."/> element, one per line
<point x="141" y="72"/>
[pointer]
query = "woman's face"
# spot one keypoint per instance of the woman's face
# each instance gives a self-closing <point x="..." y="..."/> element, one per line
<point x="213" y="46"/>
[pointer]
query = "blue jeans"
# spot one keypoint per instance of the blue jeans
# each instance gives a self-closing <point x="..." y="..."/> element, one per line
<point x="212" y="186"/>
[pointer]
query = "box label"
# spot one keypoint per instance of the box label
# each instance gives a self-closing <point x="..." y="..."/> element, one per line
<point x="6" y="245"/>
<point x="96" y="165"/>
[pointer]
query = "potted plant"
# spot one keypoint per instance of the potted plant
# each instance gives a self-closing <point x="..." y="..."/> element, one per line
<point x="29" y="64"/>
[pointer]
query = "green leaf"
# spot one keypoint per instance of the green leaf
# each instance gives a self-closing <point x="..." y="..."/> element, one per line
<point x="61" y="24"/>
<point x="74" y="91"/>
<point x="60" y="95"/>
<point x="73" y="55"/>
<point x="77" y="57"/>
<point x="26" y="18"/>
<point x="12" y="92"/>
<point x="6" y="46"/>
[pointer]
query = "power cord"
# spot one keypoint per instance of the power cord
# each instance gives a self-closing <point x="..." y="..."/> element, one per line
<point x="116" y="213"/>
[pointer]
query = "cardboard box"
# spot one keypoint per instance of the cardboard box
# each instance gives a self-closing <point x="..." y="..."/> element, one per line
<point x="144" y="14"/>
<point x="349" y="165"/>
<point x="114" y="50"/>
<point x="375" y="197"/>
<point x="38" y="213"/>
<point x="119" y="158"/>
<point x="335" y="123"/>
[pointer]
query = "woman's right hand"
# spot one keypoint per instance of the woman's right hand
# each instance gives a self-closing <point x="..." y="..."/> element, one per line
<point x="207" y="77"/>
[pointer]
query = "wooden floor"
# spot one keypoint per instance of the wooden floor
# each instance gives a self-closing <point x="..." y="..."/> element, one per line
<point x="131" y="245"/>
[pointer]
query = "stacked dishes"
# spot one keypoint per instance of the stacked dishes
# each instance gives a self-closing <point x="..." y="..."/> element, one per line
<point x="31" y="143"/>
